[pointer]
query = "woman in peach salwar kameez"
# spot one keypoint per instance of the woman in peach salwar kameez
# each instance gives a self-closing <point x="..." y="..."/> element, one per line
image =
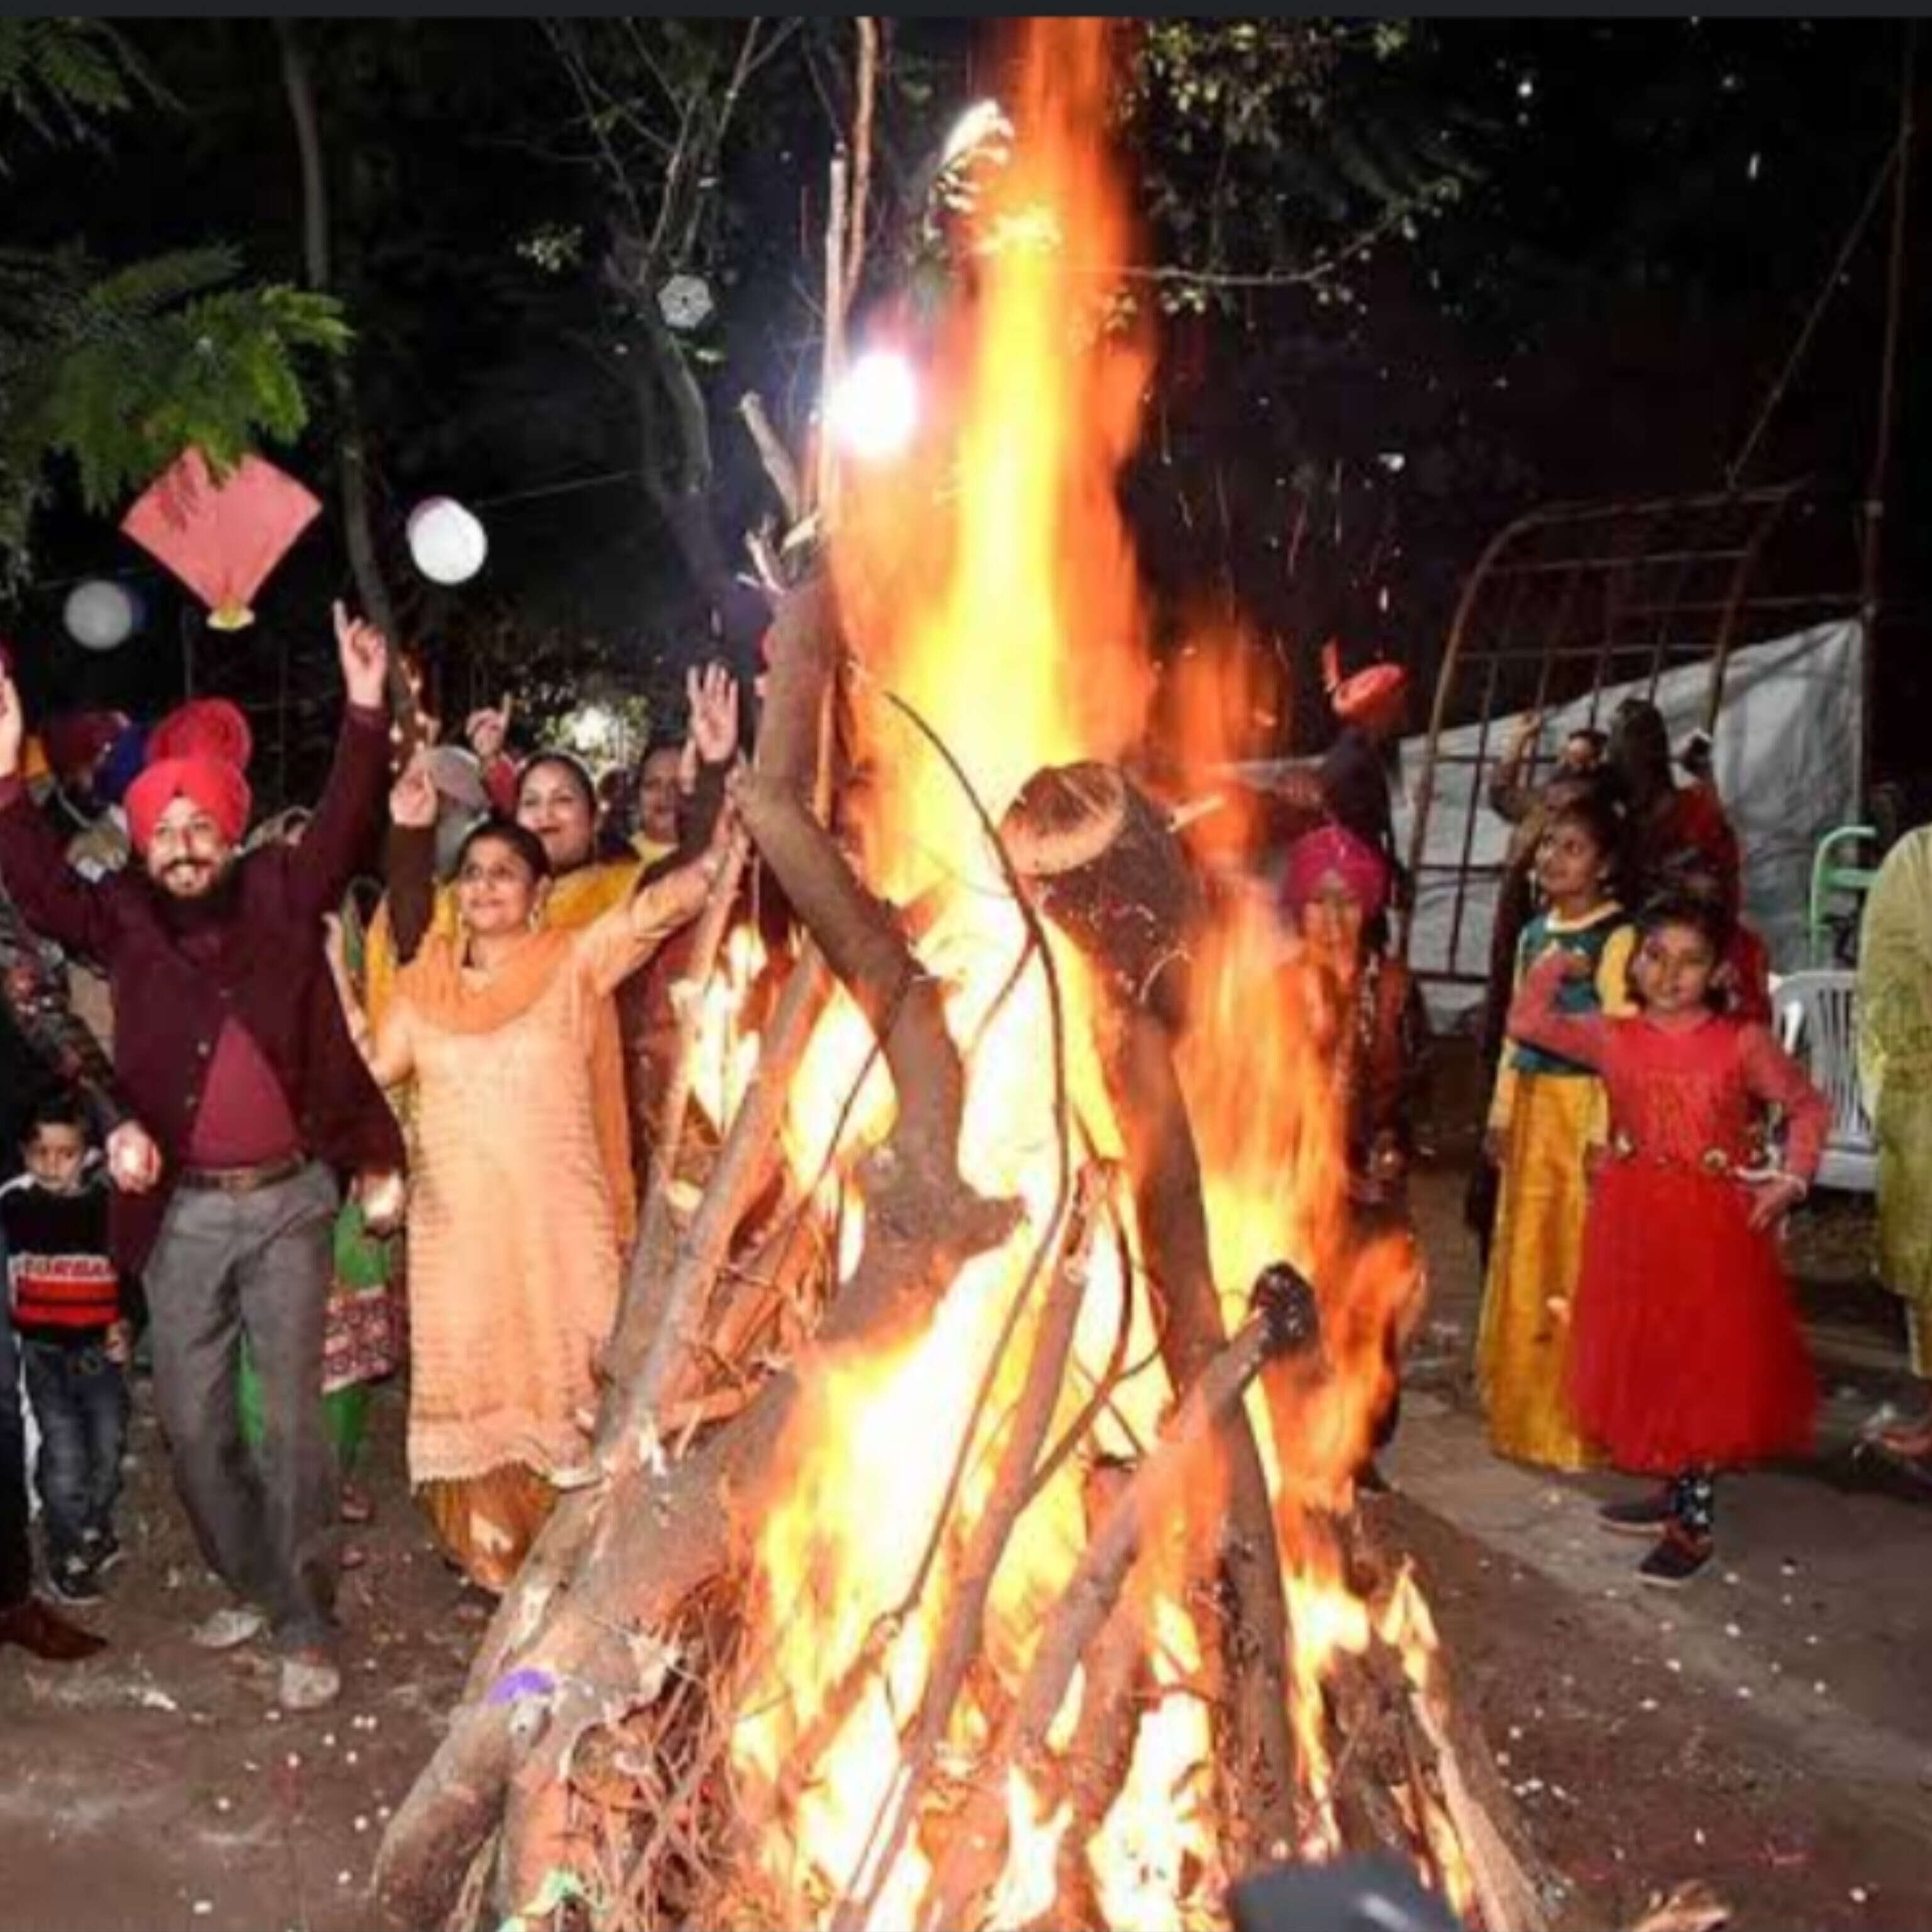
<point x="516" y="1236"/>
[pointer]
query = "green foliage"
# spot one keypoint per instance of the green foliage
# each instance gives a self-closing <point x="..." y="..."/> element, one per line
<point x="59" y="77"/>
<point x="1277" y="152"/>
<point x="120" y="369"/>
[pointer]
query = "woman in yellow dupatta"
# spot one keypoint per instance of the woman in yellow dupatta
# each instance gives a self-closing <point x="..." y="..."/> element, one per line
<point x="521" y="1201"/>
<point x="1895" y="1042"/>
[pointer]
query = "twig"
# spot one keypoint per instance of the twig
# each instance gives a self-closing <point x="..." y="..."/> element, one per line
<point x="832" y="359"/>
<point x="862" y="152"/>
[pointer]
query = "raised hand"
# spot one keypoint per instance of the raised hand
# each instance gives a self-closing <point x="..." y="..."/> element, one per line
<point x="365" y="655"/>
<point x="412" y="799"/>
<point x="487" y="731"/>
<point x="712" y="694"/>
<point x="13" y="726"/>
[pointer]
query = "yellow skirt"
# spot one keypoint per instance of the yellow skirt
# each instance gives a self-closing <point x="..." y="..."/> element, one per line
<point x="486" y="1524"/>
<point x="1522" y="1350"/>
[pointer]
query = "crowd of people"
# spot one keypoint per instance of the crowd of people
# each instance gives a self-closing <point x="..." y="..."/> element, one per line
<point x="295" y="1023"/>
<point x="280" y="1025"/>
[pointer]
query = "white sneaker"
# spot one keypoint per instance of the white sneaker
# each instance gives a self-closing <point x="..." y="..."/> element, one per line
<point x="309" y="1681"/>
<point x="230" y="1626"/>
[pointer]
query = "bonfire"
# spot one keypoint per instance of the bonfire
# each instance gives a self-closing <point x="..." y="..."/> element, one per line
<point x="975" y="1541"/>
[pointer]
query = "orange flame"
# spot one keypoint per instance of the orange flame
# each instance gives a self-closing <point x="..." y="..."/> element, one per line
<point x="989" y="583"/>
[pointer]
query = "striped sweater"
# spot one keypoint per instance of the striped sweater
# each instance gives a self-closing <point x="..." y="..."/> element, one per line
<point x="63" y="1286"/>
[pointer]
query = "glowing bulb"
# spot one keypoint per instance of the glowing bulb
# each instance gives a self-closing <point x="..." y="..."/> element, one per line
<point x="874" y="407"/>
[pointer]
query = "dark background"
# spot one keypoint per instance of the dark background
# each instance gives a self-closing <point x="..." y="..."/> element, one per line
<point x="1650" y="212"/>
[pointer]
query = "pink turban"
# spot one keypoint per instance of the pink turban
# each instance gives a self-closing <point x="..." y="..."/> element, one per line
<point x="1330" y="852"/>
<point x="218" y="789"/>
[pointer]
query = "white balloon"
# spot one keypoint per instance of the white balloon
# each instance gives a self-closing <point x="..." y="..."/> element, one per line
<point x="447" y="543"/>
<point x="100" y="616"/>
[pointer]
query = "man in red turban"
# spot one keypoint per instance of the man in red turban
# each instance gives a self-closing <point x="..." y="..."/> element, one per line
<point x="250" y="1105"/>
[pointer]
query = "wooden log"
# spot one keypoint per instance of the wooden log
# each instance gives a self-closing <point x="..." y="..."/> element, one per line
<point x="1247" y="1641"/>
<point x="1101" y="861"/>
<point x="962" y="1632"/>
<point x="1284" y="1326"/>
<point x="1117" y="1683"/>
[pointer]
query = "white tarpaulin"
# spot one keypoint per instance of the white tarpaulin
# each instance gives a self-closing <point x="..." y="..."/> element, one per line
<point x="1787" y="767"/>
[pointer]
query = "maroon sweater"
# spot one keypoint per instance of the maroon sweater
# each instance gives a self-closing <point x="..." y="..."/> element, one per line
<point x="251" y="953"/>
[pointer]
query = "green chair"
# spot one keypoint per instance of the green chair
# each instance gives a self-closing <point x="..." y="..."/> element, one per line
<point x="1831" y="929"/>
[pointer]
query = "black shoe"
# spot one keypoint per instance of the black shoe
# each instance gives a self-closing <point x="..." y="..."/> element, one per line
<point x="73" y="1580"/>
<point x="102" y="1548"/>
<point x="1645" y="1516"/>
<point x="1678" y="1558"/>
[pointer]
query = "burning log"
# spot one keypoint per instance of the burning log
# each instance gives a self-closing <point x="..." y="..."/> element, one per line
<point x="1283" y="1325"/>
<point x="1103" y="863"/>
<point x="1105" y="866"/>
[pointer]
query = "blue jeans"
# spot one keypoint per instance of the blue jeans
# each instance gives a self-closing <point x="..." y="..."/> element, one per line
<point x="16" y="1555"/>
<point x="80" y="1401"/>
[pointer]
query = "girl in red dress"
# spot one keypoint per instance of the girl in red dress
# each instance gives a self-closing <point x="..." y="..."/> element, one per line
<point x="1686" y="1355"/>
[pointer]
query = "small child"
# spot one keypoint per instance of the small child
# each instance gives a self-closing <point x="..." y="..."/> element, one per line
<point x="1687" y="1355"/>
<point x="1546" y="1120"/>
<point x="65" y="1296"/>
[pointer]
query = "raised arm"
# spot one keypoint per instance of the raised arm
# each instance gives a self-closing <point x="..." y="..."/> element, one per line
<point x="55" y="901"/>
<point x="322" y="864"/>
<point x="613" y="947"/>
<point x="712" y="748"/>
<point x="1535" y="1019"/>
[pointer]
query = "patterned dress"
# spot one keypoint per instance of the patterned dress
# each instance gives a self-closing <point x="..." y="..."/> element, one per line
<point x="1686" y="1352"/>
<point x="1895" y="1042"/>
<point x="518" y="1222"/>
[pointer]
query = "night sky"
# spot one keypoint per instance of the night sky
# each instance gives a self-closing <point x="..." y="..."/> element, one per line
<point x="1651" y="210"/>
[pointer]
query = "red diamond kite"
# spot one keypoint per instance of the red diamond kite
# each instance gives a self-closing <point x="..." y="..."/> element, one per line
<point x="222" y="539"/>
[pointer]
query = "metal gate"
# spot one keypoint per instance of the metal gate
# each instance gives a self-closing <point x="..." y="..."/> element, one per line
<point x="1573" y="598"/>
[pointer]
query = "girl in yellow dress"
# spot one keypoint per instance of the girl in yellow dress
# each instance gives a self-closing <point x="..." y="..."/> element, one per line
<point x="1547" y="1117"/>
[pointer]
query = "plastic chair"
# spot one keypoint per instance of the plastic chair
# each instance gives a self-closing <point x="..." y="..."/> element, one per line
<point x="1817" y="1024"/>
<point x="1831" y="935"/>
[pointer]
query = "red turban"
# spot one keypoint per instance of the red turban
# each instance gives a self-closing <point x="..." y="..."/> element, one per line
<point x="203" y="727"/>
<point x="1331" y="851"/>
<point x="218" y="789"/>
<point x="77" y="743"/>
<point x="1373" y="697"/>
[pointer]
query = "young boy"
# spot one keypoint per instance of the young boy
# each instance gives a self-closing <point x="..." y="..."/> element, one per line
<point x="66" y="1301"/>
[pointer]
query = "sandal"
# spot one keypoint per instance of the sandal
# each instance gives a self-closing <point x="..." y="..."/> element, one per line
<point x="356" y="1506"/>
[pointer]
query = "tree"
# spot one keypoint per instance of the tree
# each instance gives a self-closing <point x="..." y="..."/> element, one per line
<point x="118" y="369"/>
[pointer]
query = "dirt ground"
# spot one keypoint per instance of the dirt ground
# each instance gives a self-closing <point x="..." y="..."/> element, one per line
<point x="1768" y="1731"/>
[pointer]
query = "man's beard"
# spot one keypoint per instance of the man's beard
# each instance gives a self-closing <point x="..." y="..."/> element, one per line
<point x="214" y="901"/>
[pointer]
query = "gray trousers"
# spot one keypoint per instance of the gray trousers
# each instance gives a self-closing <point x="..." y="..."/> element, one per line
<point x="259" y="1263"/>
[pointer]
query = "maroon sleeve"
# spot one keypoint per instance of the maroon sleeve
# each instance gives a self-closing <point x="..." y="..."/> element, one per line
<point x="321" y="867"/>
<point x="55" y="901"/>
<point x="409" y="876"/>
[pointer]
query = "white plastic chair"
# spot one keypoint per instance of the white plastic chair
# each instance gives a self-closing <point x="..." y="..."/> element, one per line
<point x="1816" y="1023"/>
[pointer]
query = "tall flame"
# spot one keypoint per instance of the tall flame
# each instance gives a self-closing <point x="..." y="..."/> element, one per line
<point x="989" y="583"/>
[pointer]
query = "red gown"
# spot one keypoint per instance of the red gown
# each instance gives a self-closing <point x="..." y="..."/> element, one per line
<point x="1685" y="1350"/>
